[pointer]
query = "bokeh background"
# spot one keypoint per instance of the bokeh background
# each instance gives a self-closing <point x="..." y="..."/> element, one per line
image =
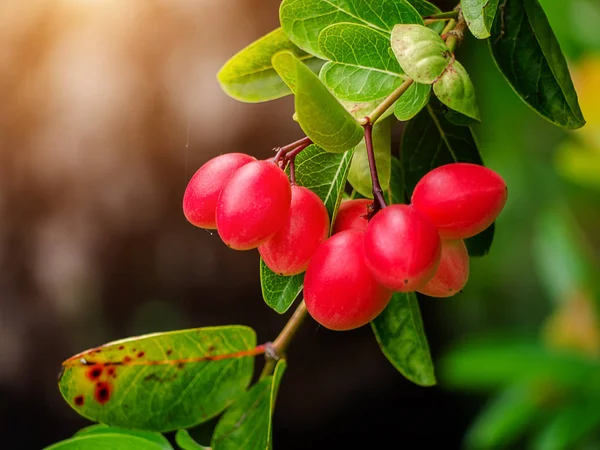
<point x="107" y="107"/>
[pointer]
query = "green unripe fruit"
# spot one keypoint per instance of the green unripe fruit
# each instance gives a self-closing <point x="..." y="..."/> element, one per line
<point x="455" y="90"/>
<point x="421" y="52"/>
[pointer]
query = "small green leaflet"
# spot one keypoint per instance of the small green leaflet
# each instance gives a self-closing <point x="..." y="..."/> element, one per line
<point x="535" y="68"/>
<point x="183" y="377"/>
<point x="102" y="437"/>
<point x="400" y="334"/>
<point x="362" y="66"/>
<point x="279" y="292"/>
<point x="360" y="173"/>
<point x="479" y="15"/>
<point x="412" y="101"/>
<point x="429" y="141"/>
<point x="186" y="442"/>
<point x="324" y="120"/>
<point x="325" y="174"/>
<point x="455" y="90"/>
<point x="421" y="52"/>
<point x="249" y="75"/>
<point x="247" y="424"/>
<point x="303" y="20"/>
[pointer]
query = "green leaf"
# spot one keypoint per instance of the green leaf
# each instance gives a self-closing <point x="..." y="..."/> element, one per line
<point x="570" y="425"/>
<point x="303" y="20"/>
<point x="421" y="52"/>
<point x="412" y="101"/>
<point x="455" y="90"/>
<point x="248" y="423"/>
<point x="100" y="429"/>
<point x="105" y="441"/>
<point x="529" y="56"/>
<point x="279" y="292"/>
<point x="489" y="363"/>
<point x="186" y="442"/>
<point x="325" y="174"/>
<point x="360" y="110"/>
<point x="324" y="120"/>
<point x="430" y="141"/>
<point x="161" y="381"/>
<point x="359" y="175"/>
<point x="504" y="419"/>
<point x="424" y="7"/>
<point x="362" y="66"/>
<point x="479" y="15"/>
<point x="400" y="334"/>
<point x="249" y="75"/>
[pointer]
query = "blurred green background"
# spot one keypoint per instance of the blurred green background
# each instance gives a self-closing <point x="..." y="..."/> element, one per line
<point x="110" y="106"/>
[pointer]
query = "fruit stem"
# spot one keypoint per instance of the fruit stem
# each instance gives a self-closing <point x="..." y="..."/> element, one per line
<point x="283" y="151"/>
<point x="277" y="349"/>
<point x="389" y="101"/>
<point x="379" y="199"/>
<point x="444" y="15"/>
<point x="293" y="171"/>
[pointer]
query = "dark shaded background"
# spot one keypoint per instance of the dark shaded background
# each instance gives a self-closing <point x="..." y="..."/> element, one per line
<point x="107" y="108"/>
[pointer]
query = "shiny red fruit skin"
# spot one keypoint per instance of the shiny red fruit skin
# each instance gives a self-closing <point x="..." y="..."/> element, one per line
<point x="352" y="215"/>
<point x="402" y="248"/>
<point x="290" y="249"/>
<point x="339" y="290"/>
<point x="253" y="205"/>
<point x="461" y="199"/>
<point x="452" y="273"/>
<point x="202" y="192"/>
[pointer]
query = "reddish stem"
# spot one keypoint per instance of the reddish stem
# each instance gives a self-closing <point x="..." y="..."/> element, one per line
<point x="379" y="199"/>
<point x="283" y="151"/>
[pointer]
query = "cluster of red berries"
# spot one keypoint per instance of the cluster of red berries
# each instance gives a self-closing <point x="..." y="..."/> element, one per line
<point x="351" y="276"/>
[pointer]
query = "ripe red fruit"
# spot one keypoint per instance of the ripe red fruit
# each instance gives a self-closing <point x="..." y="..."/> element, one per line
<point x="307" y="226"/>
<point x="339" y="290"/>
<point x="402" y="248"/>
<point x="202" y="192"/>
<point x="452" y="273"/>
<point x="461" y="199"/>
<point x="253" y="205"/>
<point x="352" y="215"/>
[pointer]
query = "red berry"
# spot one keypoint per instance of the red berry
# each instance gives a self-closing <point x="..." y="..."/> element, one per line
<point x="253" y="205"/>
<point x="452" y="273"/>
<point x="352" y="215"/>
<point x="402" y="248"/>
<point x="339" y="290"/>
<point x="202" y="192"/>
<point x="461" y="199"/>
<point x="307" y="226"/>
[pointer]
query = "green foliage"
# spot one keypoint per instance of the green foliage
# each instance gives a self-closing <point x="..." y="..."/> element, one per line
<point x="479" y="15"/>
<point x="325" y="174"/>
<point x="249" y="75"/>
<point x="361" y="67"/>
<point x="102" y="437"/>
<point x="359" y="175"/>
<point x="247" y="424"/>
<point x="421" y="52"/>
<point x="529" y="56"/>
<point x="424" y="7"/>
<point x="162" y="381"/>
<point x="303" y="20"/>
<point x="412" y="102"/>
<point x="319" y="113"/>
<point x="186" y="442"/>
<point x="455" y="90"/>
<point x="400" y="334"/>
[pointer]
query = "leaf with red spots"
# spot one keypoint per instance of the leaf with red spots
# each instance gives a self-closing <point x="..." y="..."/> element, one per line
<point x="162" y="381"/>
<point x="249" y="420"/>
<point x="102" y="437"/>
